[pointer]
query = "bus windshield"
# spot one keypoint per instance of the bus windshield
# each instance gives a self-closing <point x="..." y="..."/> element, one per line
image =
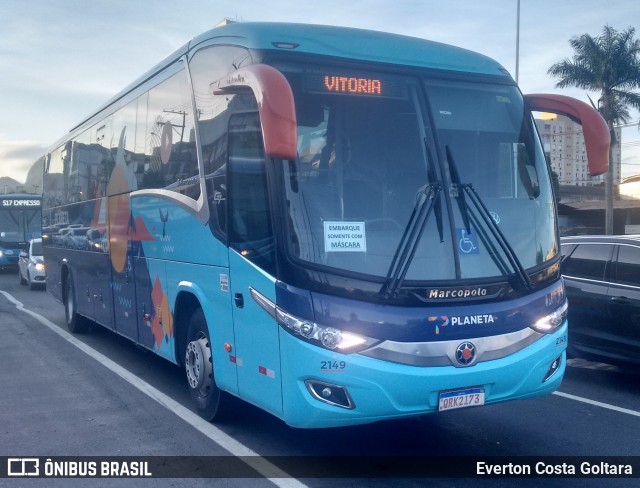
<point x="372" y="147"/>
<point x="19" y="224"/>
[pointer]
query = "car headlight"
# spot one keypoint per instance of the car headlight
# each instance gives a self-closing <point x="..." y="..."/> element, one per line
<point x="551" y="322"/>
<point x="1" y="254"/>
<point x="40" y="266"/>
<point x="320" y="335"/>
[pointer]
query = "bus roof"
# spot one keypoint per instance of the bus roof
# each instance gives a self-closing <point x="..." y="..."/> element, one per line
<point x="353" y="43"/>
<point x="332" y="41"/>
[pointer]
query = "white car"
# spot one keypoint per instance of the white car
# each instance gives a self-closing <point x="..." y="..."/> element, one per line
<point x="31" y="264"/>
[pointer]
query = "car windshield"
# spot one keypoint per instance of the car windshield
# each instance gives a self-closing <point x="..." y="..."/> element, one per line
<point x="375" y="150"/>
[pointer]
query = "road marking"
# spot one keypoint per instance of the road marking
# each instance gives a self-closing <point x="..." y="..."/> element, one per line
<point x="597" y="404"/>
<point x="270" y="471"/>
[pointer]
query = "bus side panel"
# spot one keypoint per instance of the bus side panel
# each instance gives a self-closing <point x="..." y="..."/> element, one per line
<point x="257" y="343"/>
<point x="168" y="238"/>
<point x="53" y="265"/>
<point x="74" y="241"/>
<point x="210" y="285"/>
<point x="92" y="278"/>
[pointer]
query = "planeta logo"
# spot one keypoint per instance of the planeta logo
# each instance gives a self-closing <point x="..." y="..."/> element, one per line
<point x="438" y="321"/>
<point x="473" y="319"/>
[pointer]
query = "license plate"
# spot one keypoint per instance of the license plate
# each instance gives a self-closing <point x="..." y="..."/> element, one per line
<point x="467" y="397"/>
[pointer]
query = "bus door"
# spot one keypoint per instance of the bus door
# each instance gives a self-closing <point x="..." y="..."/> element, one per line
<point x="251" y="262"/>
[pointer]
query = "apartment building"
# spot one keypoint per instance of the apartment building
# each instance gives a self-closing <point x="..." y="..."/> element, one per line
<point x="564" y="147"/>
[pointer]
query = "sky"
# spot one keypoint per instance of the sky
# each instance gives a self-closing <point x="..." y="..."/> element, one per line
<point x="62" y="59"/>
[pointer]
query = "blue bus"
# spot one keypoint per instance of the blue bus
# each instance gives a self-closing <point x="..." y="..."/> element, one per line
<point x="336" y="225"/>
<point x="20" y="220"/>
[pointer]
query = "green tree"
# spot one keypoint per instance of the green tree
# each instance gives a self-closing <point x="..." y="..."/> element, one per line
<point x="608" y="64"/>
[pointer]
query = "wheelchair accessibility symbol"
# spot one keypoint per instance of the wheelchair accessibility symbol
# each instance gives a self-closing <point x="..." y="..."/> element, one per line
<point x="467" y="242"/>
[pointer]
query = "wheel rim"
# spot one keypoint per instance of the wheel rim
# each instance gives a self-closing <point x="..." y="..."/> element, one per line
<point x="198" y="365"/>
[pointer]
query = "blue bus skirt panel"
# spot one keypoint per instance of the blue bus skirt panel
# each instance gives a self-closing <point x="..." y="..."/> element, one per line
<point x="382" y="390"/>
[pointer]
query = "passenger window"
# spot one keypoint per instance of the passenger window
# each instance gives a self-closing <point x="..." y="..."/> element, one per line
<point x="213" y="111"/>
<point x="588" y="261"/>
<point x="628" y="266"/>
<point x="170" y="161"/>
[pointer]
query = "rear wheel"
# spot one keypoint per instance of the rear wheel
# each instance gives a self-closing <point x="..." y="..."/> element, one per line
<point x="75" y="323"/>
<point x="211" y="402"/>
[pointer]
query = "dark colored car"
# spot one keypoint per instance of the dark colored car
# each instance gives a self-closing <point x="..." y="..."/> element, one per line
<point x="602" y="278"/>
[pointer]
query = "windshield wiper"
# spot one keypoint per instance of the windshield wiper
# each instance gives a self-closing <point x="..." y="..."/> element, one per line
<point x="467" y="188"/>
<point x="426" y="200"/>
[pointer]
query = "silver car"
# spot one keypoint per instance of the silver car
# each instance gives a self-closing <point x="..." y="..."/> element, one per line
<point x="31" y="265"/>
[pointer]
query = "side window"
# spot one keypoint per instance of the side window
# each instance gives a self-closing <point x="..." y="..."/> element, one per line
<point x="588" y="261"/>
<point x="171" y="162"/>
<point x="250" y="230"/>
<point x="628" y="266"/>
<point x="93" y="165"/>
<point x="121" y="145"/>
<point x="54" y="178"/>
<point x="207" y="66"/>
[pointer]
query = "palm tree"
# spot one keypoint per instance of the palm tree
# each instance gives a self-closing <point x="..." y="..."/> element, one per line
<point x="608" y="64"/>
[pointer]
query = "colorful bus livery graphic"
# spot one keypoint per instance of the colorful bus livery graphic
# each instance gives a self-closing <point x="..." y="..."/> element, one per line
<point x="305" y="221"/>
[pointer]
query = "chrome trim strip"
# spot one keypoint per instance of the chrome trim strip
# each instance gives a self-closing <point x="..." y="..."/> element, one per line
<point x="444" y="353"/>
<point x="265" y="304"/>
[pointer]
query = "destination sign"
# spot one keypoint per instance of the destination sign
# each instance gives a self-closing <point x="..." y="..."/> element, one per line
<point x="19" y="202"/>
<point x="345" y="84"/>
<point x="354" y="84"/>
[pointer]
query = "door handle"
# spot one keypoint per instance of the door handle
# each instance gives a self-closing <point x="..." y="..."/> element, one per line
<point x="239" y="299"/>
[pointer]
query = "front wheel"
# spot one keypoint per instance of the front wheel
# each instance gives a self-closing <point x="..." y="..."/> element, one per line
<point x="211" y="402"/>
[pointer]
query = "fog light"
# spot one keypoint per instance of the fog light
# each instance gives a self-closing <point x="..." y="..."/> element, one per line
<point x="555" y="366"/>
<point x="332" y="394"/>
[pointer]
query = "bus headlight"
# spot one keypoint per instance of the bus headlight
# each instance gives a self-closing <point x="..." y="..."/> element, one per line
<point x="327" y="337"/>
<point x="551" y="322"/>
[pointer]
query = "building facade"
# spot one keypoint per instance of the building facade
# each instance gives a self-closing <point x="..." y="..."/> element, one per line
<point x="564" y="147"/>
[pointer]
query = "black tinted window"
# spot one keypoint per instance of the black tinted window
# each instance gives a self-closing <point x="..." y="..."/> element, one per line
<point x="588" y="261"/>
<point x="628" y="266"/>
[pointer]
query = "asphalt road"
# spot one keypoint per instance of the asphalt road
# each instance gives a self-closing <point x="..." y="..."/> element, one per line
<point x="97" y="394"/>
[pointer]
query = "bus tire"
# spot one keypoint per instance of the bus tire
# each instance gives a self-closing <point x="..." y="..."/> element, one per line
<point x="76" y="324"/>
<point x="211" y="402"/>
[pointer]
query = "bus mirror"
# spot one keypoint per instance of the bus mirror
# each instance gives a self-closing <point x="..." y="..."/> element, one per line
<point x="596" y="132"/>
<point x="275" y="105"/>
